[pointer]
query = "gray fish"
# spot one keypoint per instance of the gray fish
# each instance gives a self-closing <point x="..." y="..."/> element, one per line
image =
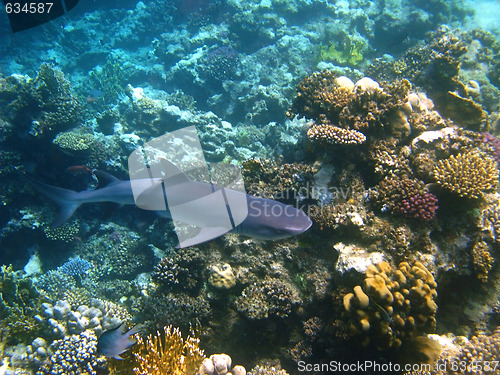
<point x="116" y="341"/>
<point x="267" y="219"/>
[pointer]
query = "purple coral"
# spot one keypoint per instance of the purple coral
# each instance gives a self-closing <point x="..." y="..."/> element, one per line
<point x="418" y="206"/>
<point x="494" y="143"/>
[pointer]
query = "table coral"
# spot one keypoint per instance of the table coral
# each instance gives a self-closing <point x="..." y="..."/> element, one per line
<point x="468" y="174"/>
<point x="393" y="305"/>
<point x="334" y="135"/>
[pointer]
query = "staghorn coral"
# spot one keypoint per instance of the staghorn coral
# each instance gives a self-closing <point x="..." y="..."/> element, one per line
<point x="329" y="134"/>
<point x="75" y="267"/>
<point x="468" y="174"/>
<point x="167" y="353"/>
<point x="393" y="305"/>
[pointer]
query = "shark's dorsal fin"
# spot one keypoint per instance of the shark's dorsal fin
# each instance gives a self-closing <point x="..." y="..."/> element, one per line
<point x="174" y="175"/>
<point x="104" y="178"/>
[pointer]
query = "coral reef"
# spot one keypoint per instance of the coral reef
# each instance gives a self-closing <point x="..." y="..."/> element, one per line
<point x="181" y="271"/>
<point x="167" y="353"/>
<point x="74" y="355"/>
<point x="406" y="197"/>
<point x="268" y="298"/>
<point x="75" y="267"/>
<point x="43" y="106"/>
<point x="361" y="109"/>
<point x="19" y="302"/>
<point x="220" y="364"/>
<point x="222" y="277"/>
<point x="334" y="135"/>
<point x="393" y="305"/>
<point x="468" y="174"/>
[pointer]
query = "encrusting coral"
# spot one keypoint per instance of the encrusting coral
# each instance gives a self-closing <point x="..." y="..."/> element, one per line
<point x="468" y="174"/>
<point x="393" y="305"/>
<point x="168" y="353"/>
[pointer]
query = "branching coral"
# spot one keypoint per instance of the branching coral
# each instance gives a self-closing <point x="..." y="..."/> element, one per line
<point x="393" y="305"/>
<point x="407" y="197"/>
<point x="168" y="353"/>
<point x="467" y="174"/>
<point x="482" y="260"/>
<point x="19" y="303"/>
<point x="45" y="105"/>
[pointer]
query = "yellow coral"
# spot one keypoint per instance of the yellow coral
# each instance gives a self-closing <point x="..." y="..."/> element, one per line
<point x="168" y="353"/>
<point x="393" y="305"/>
<point x="490" y="221"/>
<point x="482" y="260"/>
<point x="331" y="134"/>
<point x="469" y="174"/>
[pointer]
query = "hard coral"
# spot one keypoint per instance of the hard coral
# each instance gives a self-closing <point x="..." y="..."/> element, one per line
<point x="393" y="305"/>
<point x="407" y="197"/>
<point x="334" y="135"/>
<point x="168" y="353"/>
<point x="364" y="106"/>
<point x="467" y="174"/>
<point x="74" y="355"/>
<point x="180" y="271"/>
<point x="270" y="297"/>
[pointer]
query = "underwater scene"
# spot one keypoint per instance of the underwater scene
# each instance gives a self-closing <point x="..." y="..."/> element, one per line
<point x="250" y="187"/>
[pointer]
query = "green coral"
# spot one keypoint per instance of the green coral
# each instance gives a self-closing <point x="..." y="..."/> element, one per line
<point x="74" y="141"/>
<point x="347" y="52"/>
<point x="468" y="174"/>
<point x="19" y="303"/>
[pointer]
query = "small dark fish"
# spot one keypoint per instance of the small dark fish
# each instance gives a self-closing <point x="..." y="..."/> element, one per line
<point x="116" y="341"/>
<point x="383" y="312"/>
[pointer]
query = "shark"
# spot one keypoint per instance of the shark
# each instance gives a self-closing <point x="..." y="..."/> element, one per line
<point x="265" y="218"/>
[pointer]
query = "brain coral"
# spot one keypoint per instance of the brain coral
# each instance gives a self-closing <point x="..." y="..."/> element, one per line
<point x="468" y="174"/>
<point x="393" y="305"/>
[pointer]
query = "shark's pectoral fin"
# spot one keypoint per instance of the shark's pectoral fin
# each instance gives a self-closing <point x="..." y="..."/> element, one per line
<point x="205" y="234"/>
<point x="64" y="213"/>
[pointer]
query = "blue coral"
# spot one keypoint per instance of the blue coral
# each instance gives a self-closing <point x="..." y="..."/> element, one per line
<point x="75" y="267"/>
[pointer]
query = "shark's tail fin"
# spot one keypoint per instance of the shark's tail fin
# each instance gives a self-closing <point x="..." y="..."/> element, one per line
<point x="66" y="200"/>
